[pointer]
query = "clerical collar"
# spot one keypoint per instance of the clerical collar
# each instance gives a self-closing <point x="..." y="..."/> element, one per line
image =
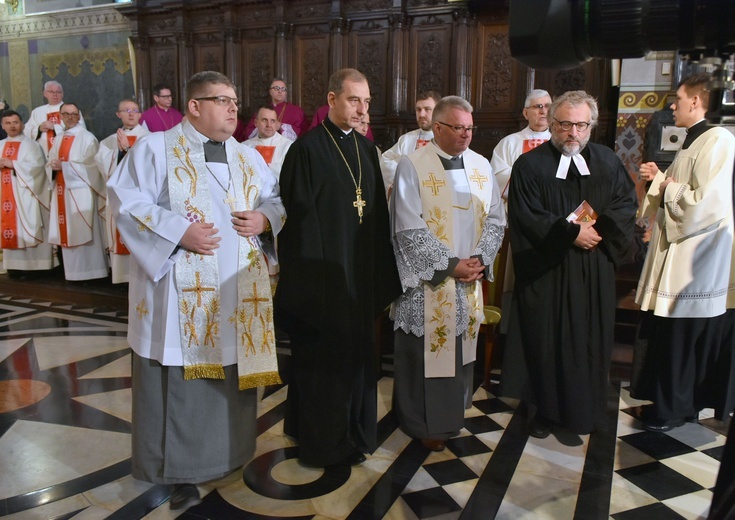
<point x="214" y="151"/>
<point x="693" y="132"/>
<point x="336" y="131"/>
<point x="441" y="153"/>
<point x="565" y="162"/>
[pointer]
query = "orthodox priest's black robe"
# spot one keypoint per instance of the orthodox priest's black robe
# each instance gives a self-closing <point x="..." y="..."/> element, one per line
<point x="561" y="332"/>
<point x="337" y="275"/>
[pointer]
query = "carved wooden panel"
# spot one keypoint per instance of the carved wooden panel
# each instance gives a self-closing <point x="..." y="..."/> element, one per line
<point x="430" y="54"/>
<point x="369" y="53"/>
<point x="311" y="71"/>
<point x="500" y="78"/>
<point x="258" y="60"/>
<point x="164" y="68"/>
<point x="209" y="56"/>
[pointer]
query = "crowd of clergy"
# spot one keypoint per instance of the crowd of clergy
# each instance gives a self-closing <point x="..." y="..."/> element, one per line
<point x="419" y="225"/>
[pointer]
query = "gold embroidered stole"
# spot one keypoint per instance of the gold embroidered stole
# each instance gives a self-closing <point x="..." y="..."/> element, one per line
<point x="440" y="305"/>
<point x="197" y="276"/>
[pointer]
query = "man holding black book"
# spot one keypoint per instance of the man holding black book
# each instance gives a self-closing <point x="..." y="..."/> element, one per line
<point x="561" y="326"/>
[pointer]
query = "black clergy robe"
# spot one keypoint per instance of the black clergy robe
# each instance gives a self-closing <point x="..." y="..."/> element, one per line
<point x="337" y="275"/>
<point x="561" y="331"/>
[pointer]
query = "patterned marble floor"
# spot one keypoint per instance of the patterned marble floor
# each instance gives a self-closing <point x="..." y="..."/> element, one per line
<point x="65" y="449"/>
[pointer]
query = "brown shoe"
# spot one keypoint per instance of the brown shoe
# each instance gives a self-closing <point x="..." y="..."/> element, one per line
<point x="433" y="444"/>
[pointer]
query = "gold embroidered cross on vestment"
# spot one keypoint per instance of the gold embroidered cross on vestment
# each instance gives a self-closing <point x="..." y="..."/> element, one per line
<point x="434" y="184"/>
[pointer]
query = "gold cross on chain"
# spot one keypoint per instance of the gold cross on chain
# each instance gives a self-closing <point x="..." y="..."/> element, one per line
<point x="359" y="203"/>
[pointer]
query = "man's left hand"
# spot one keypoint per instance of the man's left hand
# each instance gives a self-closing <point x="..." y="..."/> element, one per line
<point x="249" y="223"/>
<point x="6" y="163"/>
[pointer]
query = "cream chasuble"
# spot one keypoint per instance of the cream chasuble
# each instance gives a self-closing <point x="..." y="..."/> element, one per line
<point x="439" y="211"/>
<point x="198" y="278"/>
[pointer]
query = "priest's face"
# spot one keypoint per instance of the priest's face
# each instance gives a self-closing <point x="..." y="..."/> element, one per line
<point x="424" y="110"/>
<point x="537" y="113"/>
<point x="685" y="113"/>
<point x="572" y="141"/>
<point x="446" y="135"/>
<point x="54" y="94"/>
<point x="347" y="108"/>
<point x="278" y="92"/>
<point x="12" y="125"/>
<point x="164" y="99"/>
<point x="267" y="123"/>
<point x="129" y="114"/>
<point x="214" y="114"/>
<point x="69" y="115"/>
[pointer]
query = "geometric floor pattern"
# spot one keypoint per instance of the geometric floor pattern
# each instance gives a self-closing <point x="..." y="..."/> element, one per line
<point x="65" y="449"/>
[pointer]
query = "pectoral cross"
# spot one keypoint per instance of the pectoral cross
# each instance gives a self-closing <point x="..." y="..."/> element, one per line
<point x="230" y="199"/>
<point x="359" y="203"/>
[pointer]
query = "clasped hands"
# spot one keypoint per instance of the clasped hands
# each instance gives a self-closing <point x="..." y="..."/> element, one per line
<point x="468" y="270"/>
<point x="588" y="237"/>
<point x="202" y="238"/>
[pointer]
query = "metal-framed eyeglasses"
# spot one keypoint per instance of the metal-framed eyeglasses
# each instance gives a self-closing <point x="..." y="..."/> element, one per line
<point x="129" y="112"/>
<point x="459" y="129"/>
<point x="278" y="88"/>
<point x="220" y="101"/>
<point x="540" y="106"/>
<point x="567" y="125"/>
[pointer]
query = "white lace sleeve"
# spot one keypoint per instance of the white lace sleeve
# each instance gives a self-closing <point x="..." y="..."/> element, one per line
<point x="419" y="254"/>
<point x="490" y="242"/>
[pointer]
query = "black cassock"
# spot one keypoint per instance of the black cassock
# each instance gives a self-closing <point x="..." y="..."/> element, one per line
<point x="562" y="319"/>
<point x="336" y="276"/>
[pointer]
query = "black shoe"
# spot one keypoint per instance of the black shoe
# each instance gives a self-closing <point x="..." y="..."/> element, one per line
<point x="184" y="496"/>
<point x="662" y="425"/>
<point x="539" y="429"/>
<point x="353" y="459"/>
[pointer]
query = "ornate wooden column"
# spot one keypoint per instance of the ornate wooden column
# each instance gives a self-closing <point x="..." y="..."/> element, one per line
<point x="284" y="53"/>
<point x="464" y="24"/>
<point x="142" y="70"/>
<point x="399" y="38"/>
<point x="338" y="28"/>
<point x="233" y="58"/>
<point x="184" y="41"/>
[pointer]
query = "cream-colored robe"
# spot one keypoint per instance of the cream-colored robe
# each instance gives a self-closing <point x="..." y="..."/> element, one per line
<point x="688" y="272"/>
<point x="106" y="160"/>
<point x="38" y="116"/>
<point x="31" y="190"/>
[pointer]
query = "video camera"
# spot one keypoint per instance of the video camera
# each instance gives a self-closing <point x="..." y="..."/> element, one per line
<point x="561" y="34"/>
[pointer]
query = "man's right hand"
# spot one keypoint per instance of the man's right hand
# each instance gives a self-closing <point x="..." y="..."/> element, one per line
<point x="588" y="237"/>
<point x="201" y="238"/>
<point x="468" y="270"/>
<point x="46" y="126"/>
<point x="648" y="171"/>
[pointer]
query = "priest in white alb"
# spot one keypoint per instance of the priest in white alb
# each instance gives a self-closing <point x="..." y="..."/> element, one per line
<point x="45" y="121"/>
<point x="78" y="197"/>
<point x="448" y="222"/>
<point x="410" y="141"/>
<point x="24" y="197"/>
<point x="111" y="151"/>
<point x="198" y="212"/>
<point x="269" y="143"/>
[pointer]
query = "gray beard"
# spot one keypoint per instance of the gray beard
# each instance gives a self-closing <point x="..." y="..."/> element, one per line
<point x="566" y="149"/>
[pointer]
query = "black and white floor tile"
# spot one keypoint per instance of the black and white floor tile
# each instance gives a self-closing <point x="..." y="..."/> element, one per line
<point x="65" y="449"/>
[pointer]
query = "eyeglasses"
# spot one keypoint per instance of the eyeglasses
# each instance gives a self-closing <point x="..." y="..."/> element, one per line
<point x="70" y="114"/>
<point x="220" y="101"/>
<point x="279" y="89"/>
<point x="129" y="112"/>
<point x="459" y="129"/>
<point x="540" y="106"/>
<point x="567" y="125"/>
<point x="54" y="92"/>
